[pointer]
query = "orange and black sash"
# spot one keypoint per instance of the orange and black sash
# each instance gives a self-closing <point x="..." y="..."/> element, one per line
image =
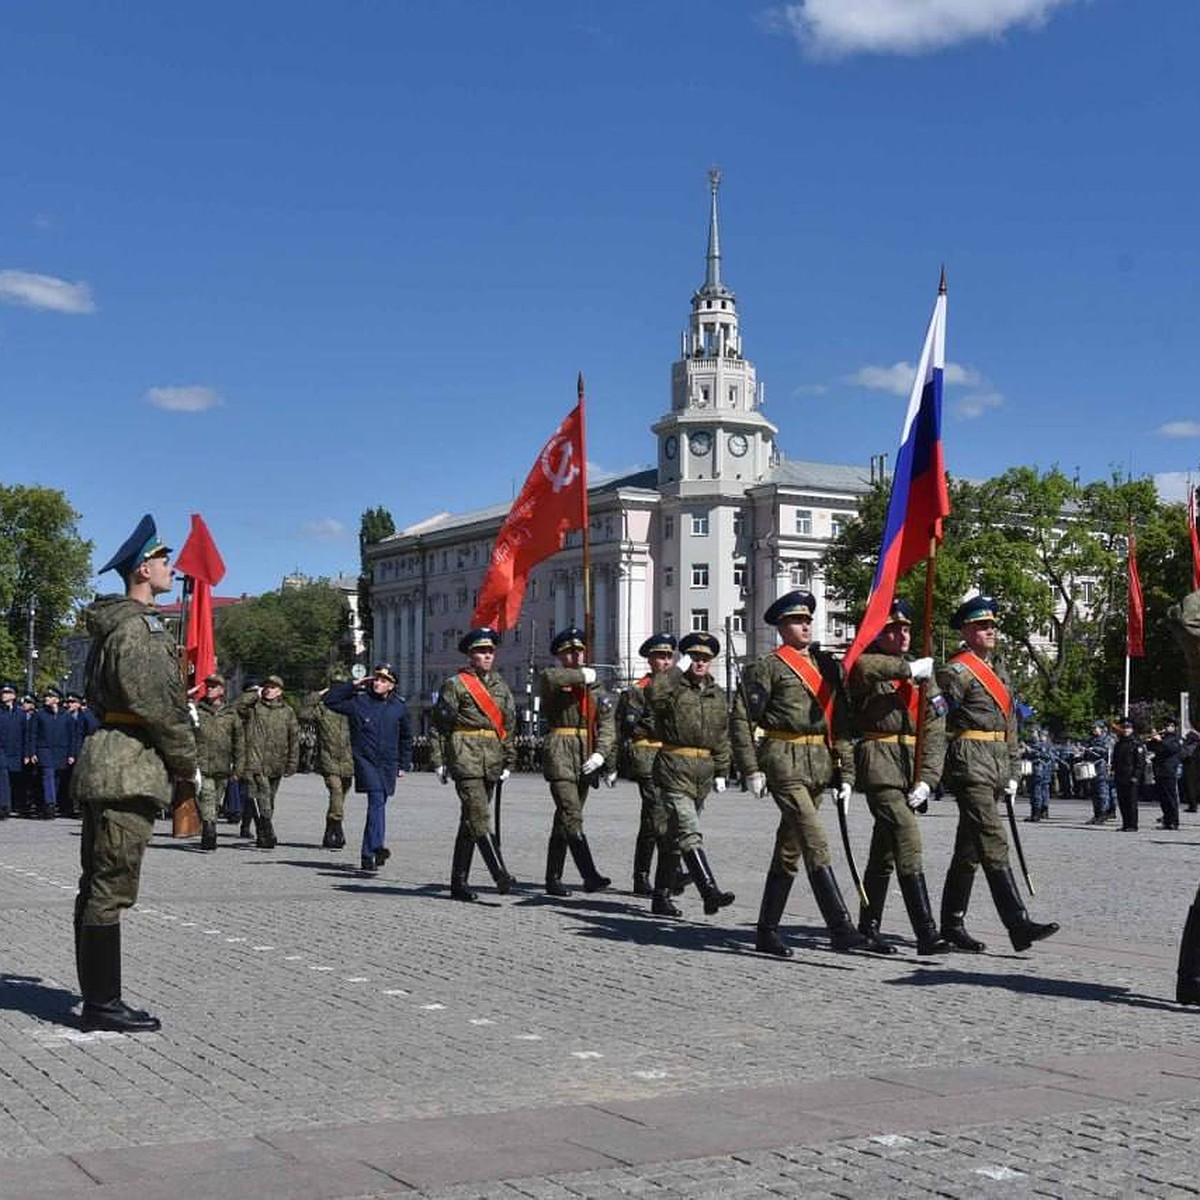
<point x="910" y="696"/>
<point x="644" y="682"/>
<point x="816" y="683"/>
<point x="991" y="682"/>
<point x="483" y="698"/>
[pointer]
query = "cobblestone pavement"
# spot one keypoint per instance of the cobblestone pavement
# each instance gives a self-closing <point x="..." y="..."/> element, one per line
<point x="332" y="1034"/>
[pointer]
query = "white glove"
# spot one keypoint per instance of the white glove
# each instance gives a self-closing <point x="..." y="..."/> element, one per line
<point x="198" y="780"/>
<point x="921" y="668"/>
<point x="592" y="763"/>
<point x="589" y="674"/>
<point x="684" y="663"/>
<point x="504" y="775"/>
<point x="719" y="784"/>
<point x="844" y="792"/>
<point x="443" y="774"/>
<point x="610" y="780"/>
<point x="756" y="784"/>
<point x="194" y="714"/>
<point x="919" y="795"/>
<point x="1010" y="788"/>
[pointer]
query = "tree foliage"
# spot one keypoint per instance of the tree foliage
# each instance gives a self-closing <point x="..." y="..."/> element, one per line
<point x="376" y="524"/>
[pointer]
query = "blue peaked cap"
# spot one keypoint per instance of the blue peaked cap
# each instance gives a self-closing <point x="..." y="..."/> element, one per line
<point x="141" y="544"/>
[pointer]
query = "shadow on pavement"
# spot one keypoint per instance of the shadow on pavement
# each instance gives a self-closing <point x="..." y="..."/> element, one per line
<point x="27" y="994"/>
<point x="1035" y="985"/>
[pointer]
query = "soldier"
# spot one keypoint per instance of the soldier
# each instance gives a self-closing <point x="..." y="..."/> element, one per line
<point x="1041" y="756"/>
<point x="221" y="750"/>
<point x="691" y="719"/>
<point x="127" y="767"/>
<point x="982" y="764"/>
<point x="1098" y="750"/>
<point x="53" y="744"/>
<point x="12" y="740"/>
<point x="795" y="695"/>
<point x="1167" y="752"/>
<point x="272" y="752"/>
<point x="580" y="745"/>
<point x="1183" y="620"/>
<point x="382" y="744"/>
<point x="475" y="718"/>
<point x="883" y="689"/>
<point x="1128" y="767"/>
<point x="636" y="725"/>
<point x="333" y="759"/>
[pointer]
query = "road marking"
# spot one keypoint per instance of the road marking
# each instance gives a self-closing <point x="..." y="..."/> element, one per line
<point x="1000" y="1173"/>
<point x="432" y="1007"/>
<point x="891" y="1139"/>
<point x="586" y="1054"/>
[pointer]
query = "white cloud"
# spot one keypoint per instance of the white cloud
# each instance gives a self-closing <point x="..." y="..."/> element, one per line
<point x="1173" y="485"/>
<point x="327" y="529"/>
<point x="45" y="292"/>
<point x="976" y="404"/>
<point x="184" y="399"/>
<point x="898" y="378"/>
<point x="1179" y="429"/>
<point x="839" y="28"/>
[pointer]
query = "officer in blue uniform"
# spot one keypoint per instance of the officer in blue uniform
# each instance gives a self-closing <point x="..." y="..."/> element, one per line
<point x="1041" y="756"/>
<point x="54" y="749"/>
<point x="12" y="731"/>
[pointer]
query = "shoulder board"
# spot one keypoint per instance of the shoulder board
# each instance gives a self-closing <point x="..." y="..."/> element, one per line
<point x="957" y="668"/>
<point x="604" y="703"/>
<point x="154" y="623"/>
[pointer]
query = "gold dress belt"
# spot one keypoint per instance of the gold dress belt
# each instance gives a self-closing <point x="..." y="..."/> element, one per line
<point x="475" y="732"/>
<point x="803" y="739"/>
<point x="903" y="739"/>
<point x="981" y="735"/>
<point x="688" y="751"/>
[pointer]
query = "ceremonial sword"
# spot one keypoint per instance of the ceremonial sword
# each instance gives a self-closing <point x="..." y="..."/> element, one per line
<point x="1012" y="822"/>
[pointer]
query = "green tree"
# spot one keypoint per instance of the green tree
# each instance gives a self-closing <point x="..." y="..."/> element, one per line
<point x="376" y="524"/>
<point x="41" y="556"/>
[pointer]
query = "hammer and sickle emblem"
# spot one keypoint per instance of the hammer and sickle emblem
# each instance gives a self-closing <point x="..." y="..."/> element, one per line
<point x="558" y="463"/>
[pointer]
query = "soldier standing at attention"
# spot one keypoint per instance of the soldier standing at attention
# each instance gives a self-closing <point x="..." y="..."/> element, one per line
<point x="272" y="751"/>
<point x="578" y="715"/>
<point x="982" y="764"/>
<point x="220" y="747"/>
<point x="475" y="717"/>
<point x="883" y="689"/>
<point x="127" y="767"/>
<point x="795" y="695"/>
<point x="53" y="741"/>
<point x="12" y="741"/>
<point x="691" y="719"/>
<point x="636" y="724"/>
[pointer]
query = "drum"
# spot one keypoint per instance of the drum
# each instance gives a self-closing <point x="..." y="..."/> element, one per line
<point x="1083" y="771"/>
<point x="1026" y="767"/>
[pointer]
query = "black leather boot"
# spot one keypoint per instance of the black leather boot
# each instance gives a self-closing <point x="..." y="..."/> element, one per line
<point x="556" y="858"/>
<point x="706" y="884"/>
<point x="956" y="896"/>
<point x="490" y="853"/>
<point x="247" y="820"/>
<point x="643" y="856"/>
<point x="1022" y="932"/>
<point x="664" y="875"/>
<point x="1187" y="980"/>
<point x="842" y="934"/>
<point x="460" y="869"/>
<point x="100" y="982"/>
<point x="329" y="841"/>
<point x="581" y="852"/>
<point x="870" y="915"/>
<point x="770" y="913"/>
<point x="920" y="914"/>
<point x="208" y="835"/>
<point x="266" y="834"/>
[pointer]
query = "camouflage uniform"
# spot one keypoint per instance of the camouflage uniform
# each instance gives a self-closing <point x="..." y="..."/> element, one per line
<point x="220" y="747"/>
<point x="1183" y="620"/>
<point x="635" y="722"/>
<point x="334" y="763"/>
<point x="272" y="751"/>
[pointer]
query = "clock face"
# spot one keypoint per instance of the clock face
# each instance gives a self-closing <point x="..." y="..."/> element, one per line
<point x="671" y="446"/>
<point x="738" y="445"/>
<point x="700" y="442"/>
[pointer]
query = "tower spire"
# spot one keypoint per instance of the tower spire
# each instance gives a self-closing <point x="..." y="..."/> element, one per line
<point x="712" y="276"/>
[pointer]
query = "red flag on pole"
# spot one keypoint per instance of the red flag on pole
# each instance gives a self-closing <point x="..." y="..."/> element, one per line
<point x="1194" y="539"/>
<point x="202" y="563"/>
<point x="552" y="502"/>
<point x="1135" y="642"/>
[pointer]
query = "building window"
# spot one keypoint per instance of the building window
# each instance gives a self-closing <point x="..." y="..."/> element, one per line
<point x="804" y="521"/>
<point x="739" y="522"/>
<point x="668" y="577"/>
<point x="837" y="524"/>
<point x="533" y="589"/>
<point x="699" y="575"/>
<point x="668" y="620"/>
<point x="801" y="575"/>
<point x="733" y="397"/>
<point x="460" y="598"/>
<point x="700" y="524"/>
<point x="739" y="574"/>
<point x="1087" y="591"/>
<point x="668" y="528"/>
<point x="737" y="622"/>
<point x="699" y="620"/>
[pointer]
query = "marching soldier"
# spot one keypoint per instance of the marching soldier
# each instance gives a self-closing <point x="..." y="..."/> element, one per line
<point x="220" y="747"/>
<point x="272" y="752"/>
<point x="636" y="725"/>
<point x="126" y="769"/>
<point x="795" y="696"/>
<point x="691" y="719"/>
<point x="475" y="717"/>
<point x="333" y="760"/>
<point x="982" y="765"/>
<point x="579" y="716"/>
<point x="883" y="688"/>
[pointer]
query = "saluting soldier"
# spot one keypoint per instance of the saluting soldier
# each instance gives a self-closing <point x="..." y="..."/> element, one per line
<point x="475" y="718"/>
<point x="795" y="696"/>
<point x="884" y="691"/>
<point x="635" y="722"/>
<point x="127" y="768"/>
<point x="333" y="760"/>
<point x="982" y="764"/>
<point x="581" y="744"/>
<point x="691" y="719"/>
<point x="221" y="749"/>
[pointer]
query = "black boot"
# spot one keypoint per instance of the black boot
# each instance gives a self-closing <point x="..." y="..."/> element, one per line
<point x="1022" y="932"/>
<point x="843" y="936"/>
<point x="266" y="834"/>
<point x="643" y="856"/>
<point x="870" y="915"/>
<point x="706" y="884"/>
<point x="556" y="858"/>
<point x="490" y="853"/>
<point x="330" y="840"/>
<point x="956" y="896"/>
<point x="460" y="869"/>
<point x="581" y="852"/>
<point x="916" y="901"/>
<point x="1187" y="980"/>
<point x="208" y="835"/>
<point x="247" y="818"/>
<point x="368" y="863"/>
<point x="664" y="874"/>
<point x="100" y="983"/>
<point x="770" y="912"/>
<point x="682" y="878"/>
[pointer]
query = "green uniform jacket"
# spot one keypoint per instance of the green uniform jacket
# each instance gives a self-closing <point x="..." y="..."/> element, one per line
<point x="635" y="723"/>
<point x="468" y="756"/>
<point x="563" y="757"/>
<point x="879" y="709"/>
<point x="272" y="736"/>
<point x="132" y="668"/>
<point x="689" y="712"/>
<point x="220" y="741"/>
<point x="1183" y="620"/>
<point x="781" y="702"/>
<point x="334" y="756"/>
<point x="990" y="764"/>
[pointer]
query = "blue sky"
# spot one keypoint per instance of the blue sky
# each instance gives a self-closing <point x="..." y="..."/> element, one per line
<point x="281" y="263"/>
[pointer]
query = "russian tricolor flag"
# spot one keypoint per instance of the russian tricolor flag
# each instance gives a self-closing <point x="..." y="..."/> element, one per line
<point x="920" y="499"/>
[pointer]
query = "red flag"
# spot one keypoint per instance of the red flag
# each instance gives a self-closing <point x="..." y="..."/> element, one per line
<point x="201" y="562"/>
<point x="552" y="502"/>
<point x="1135" y="642"/>
<point x="1194" y="538"/>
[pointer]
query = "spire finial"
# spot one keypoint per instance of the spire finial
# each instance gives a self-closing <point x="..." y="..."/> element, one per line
<point x="942" y="282"/>
<point x="712" y="276"/>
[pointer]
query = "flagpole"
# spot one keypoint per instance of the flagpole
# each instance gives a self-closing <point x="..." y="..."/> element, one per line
<point x="926" y="652"/>
<point x="588" y="618"/>
<point x="1125" y="710"/>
